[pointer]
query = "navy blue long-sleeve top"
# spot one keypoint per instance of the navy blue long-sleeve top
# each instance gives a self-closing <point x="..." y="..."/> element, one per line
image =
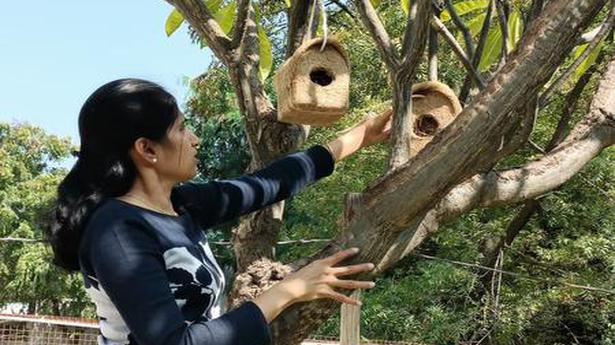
<point x="153" y="277"/>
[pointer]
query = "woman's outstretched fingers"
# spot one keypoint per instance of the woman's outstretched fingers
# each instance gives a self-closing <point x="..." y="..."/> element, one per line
<point x="343" y="298"/>
<point x="352" y="284"/>
<point x="341" y="256"/>
<point x="353" y="269"/>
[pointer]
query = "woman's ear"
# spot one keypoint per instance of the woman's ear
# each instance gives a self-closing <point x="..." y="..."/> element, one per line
<point x="145" y="151"/>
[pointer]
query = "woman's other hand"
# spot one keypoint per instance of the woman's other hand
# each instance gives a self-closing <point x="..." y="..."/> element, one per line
<point x="319" y="279"/>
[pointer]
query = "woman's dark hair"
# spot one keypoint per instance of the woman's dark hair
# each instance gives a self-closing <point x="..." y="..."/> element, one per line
<point x="110" y="121"/>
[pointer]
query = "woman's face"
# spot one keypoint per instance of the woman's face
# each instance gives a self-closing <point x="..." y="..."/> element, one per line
<point x="177" y="157"/>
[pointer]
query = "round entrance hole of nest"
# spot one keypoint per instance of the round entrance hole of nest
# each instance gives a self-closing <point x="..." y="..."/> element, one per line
<point x="426" y="125"/>
<point x="321" y="77"/>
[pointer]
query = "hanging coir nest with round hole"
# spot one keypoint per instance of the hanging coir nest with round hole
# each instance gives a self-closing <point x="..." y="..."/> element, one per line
<point x="313" y="86"/>
<point x="434" y="106"/>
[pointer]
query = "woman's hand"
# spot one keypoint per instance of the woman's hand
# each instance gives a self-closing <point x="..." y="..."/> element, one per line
<point x="367" y="132"/>
<point x="317" y="280"/>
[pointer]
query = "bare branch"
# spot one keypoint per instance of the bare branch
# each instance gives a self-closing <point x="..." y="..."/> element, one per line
<point x="570" y="105"/>
<point x="298" y="22"/>
<point x="433" y="55"/>
<point x="518" y="275"/>
<point x="196" y="13"/>
<point x="467" y="36"/>
<point x="513" y="229"/>
<point x="243" y="7"/>
<point x="378" y="32"/>
<point x="450" y="39"/>
<point x="344" y="8"/>
<point x="604" y="30"/>
<point x="503" y="20"/>
<point x="478" y="53"/>
<point x="590" y="35"/>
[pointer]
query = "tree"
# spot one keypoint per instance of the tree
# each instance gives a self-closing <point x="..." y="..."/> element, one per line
<point x="455" y="173"/>
<point x="29" y="172"/>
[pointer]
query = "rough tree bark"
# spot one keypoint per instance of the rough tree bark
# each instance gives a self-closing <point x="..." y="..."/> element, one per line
<point x="452" y="175"/>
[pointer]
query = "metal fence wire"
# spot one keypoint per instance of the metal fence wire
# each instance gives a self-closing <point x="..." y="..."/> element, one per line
<point x="53" y="330"/>
<point x="30" y="330"/>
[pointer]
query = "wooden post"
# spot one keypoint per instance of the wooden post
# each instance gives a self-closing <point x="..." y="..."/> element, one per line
<point x="350" y="330"/>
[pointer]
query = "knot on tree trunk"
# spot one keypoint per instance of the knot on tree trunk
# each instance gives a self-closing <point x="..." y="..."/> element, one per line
<point x="258" y="277"/>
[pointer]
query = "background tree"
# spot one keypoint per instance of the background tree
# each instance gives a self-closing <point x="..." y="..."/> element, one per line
<point x="514" y="78"/>
<point x="29" y="175"/>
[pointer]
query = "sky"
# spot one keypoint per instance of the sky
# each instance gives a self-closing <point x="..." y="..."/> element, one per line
<point x="54" y="54"/>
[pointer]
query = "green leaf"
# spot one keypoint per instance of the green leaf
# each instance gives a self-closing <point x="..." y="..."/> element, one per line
<point x="266" y="57"/>
<point x="288" y="4"/>
<point x="214" y="5"/>
<point x="493" y="48"/>
<point x="174" y="21"/>
<point x="375" y="3"/>
<point x="405" y="5"/>
<point x="475" y="25"/>
<point x="225" y="16"/>
<point x="465" y="7"/>
<point x="587" y="63"/>
<point x="515" y="29"/>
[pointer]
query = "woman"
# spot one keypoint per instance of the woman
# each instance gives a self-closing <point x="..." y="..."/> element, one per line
<point x="123" y="219"/>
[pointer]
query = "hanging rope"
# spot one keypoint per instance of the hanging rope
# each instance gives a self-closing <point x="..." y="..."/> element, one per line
<point x="325" y="27"/>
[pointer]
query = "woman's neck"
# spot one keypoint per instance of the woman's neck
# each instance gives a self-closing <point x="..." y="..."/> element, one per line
<point x="154" y="195"/>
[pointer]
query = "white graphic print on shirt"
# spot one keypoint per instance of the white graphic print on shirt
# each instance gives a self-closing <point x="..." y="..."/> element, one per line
<point x="195" y="279"/>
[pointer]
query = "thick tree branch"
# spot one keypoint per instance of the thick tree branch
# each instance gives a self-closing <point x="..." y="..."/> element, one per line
<point x="414" y="42"/>
<point x="197" y="14"/>
<point x="416" y="31"/>
<point x="378" y="32"/>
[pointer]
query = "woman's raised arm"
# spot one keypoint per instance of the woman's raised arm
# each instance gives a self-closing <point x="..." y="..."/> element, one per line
<point x="218" y="201"/>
